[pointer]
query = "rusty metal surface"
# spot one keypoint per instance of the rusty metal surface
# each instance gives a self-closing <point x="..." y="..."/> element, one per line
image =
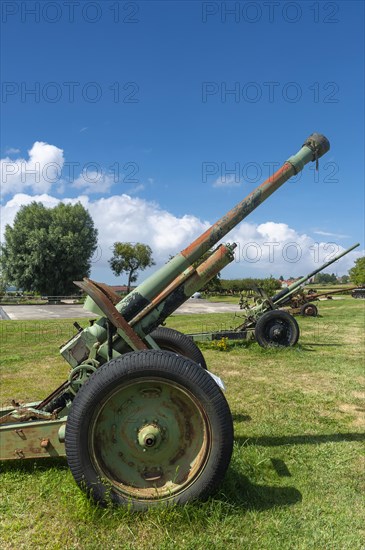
<point x="104" y="303"/>
<point x="53" y="395"/>
<point x="37" y="439"/>
<point x="218" y="230"/>
<point x="160" y="444"/>
<point x="22" y="414"/>
<point x="160" y="297"/>
<point x="108" y="291"/>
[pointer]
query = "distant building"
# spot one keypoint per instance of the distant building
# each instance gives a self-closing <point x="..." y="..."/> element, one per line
<point x="288" y="282"/>
<point x="121" y="289"/>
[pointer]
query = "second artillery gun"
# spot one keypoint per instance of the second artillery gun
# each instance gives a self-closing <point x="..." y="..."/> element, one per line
<point x="265" y="321"/>
<point x="271" y="325"/>
<point x="140" y="419"/>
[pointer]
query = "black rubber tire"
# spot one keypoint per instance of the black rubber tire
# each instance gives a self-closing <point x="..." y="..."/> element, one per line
<point x="309" y="310"/>
<point x="87" y="438"/>
<point x="172" y="340"/>
<point x="276" y="321"/>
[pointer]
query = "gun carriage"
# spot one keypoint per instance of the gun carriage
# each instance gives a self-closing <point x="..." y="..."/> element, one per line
<point x="140" y="418"/>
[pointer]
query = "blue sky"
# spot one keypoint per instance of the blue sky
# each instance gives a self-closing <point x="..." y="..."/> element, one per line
<point x="147" y="107"/>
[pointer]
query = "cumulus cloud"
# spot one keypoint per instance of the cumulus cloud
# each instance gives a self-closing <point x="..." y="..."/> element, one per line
<point x="263" y="249"/>
<point x="36" y="174"/>
<point x="42" y="173"/>
<point x="328" y="234"/>
<point x="12" y="151"/>
<point x="276" y="248"/>
<point x="94" y="182"/>
<point x="229" y="180"/>
<point x="123" y="218"/>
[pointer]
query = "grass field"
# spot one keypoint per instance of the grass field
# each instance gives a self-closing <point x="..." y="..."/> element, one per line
<point x="296" y="476"/>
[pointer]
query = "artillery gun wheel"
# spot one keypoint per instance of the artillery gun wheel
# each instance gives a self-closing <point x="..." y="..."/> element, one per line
<point x="309" y="310"/>
<point x="172" y="340"/>
<point x="276" y="328"/>
<point x="150" y="427"/>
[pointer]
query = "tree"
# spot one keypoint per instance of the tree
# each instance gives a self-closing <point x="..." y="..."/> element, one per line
<point x="48" y="248"/>
<point x="130" y="258"/>
<point x="324" y="278"/>
<point x="357" y="273"/>
<point x="344" y="279"/>
<point x="269" y="285"/>
<point x="2" y="285"/>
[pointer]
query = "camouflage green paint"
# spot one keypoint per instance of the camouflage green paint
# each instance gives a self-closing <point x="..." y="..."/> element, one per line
<point x="150" y="439"/>
<point x="315" y="146"/>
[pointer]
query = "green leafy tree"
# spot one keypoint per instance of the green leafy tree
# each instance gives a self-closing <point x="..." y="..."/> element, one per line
<point x="2" y="285"/>
<point x="325" y="278"/>
<point x="46" y="249"/>
<point x="357" y="273"/>
<point x="269" y="285"/>
<point x="130" y="258"/>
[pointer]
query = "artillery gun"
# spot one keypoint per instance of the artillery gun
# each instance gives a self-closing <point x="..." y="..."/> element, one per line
<point x="358" y="292"/>
<point x="271" y="325"/>
<point x="140" y="419"/>
<point x="266" y="321"/>
<point x="301" y="303"/>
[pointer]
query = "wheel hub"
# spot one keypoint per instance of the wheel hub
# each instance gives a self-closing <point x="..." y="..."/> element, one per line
<point x="276" y="332"/>
<point x="150" y="439"/>
<point x="149" y="436"/>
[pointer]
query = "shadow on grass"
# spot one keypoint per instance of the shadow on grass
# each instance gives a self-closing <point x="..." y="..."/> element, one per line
<point x="308" y="439"/>
<point x="240" y="491"/>
<point x="238" y="417"/>
<point x="34" y="465"/>
<point x="237" y="490"/>
<point x="322" y="345"/>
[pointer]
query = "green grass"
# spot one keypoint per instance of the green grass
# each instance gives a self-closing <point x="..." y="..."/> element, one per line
<point x="296" y="476"/>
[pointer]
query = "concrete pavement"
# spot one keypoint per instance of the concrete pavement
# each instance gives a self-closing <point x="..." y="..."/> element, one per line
<point x="65" y="311"/>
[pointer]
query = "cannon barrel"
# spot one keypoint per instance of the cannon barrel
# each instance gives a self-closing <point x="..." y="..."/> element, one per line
<point x="284" y="295"/>
<point x="159" y="295"/>
<point x="314" y="148"/>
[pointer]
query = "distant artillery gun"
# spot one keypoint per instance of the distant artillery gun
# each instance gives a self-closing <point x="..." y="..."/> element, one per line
<point x="263" y="317"/>
<point x="140" y="419"/>
<point x="266" y="321"/>
<point x="301" y="303"/>
<point x="358" y="292"/>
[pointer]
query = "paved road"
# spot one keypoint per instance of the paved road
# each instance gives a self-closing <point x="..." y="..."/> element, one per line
<point x="23" y="313"/>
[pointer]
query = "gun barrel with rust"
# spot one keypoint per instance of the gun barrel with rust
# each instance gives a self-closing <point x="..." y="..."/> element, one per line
<point x="314" y="148"/>
<point x="285" y="295"/>
<point x="149" y="304"/>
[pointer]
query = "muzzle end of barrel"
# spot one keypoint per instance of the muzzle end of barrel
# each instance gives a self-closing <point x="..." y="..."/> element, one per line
<point x="319" y="145"/>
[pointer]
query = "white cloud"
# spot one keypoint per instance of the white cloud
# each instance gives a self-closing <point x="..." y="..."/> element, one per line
<point x="137" y="189"/>
<point x="328" y="234"/>
<point x="12" y="151"/>
<point x="276" y="248"/>
<point x="42" y="173"/>
<point x="37" y="173"/>
<point x="94" y="182"/>
<point x="227" y="181"/>
<point x="124" y="218"/>
<point x="264" y="249"/>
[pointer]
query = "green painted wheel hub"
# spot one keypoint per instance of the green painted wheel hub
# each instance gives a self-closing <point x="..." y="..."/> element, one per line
<point x="150" y="439"/>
